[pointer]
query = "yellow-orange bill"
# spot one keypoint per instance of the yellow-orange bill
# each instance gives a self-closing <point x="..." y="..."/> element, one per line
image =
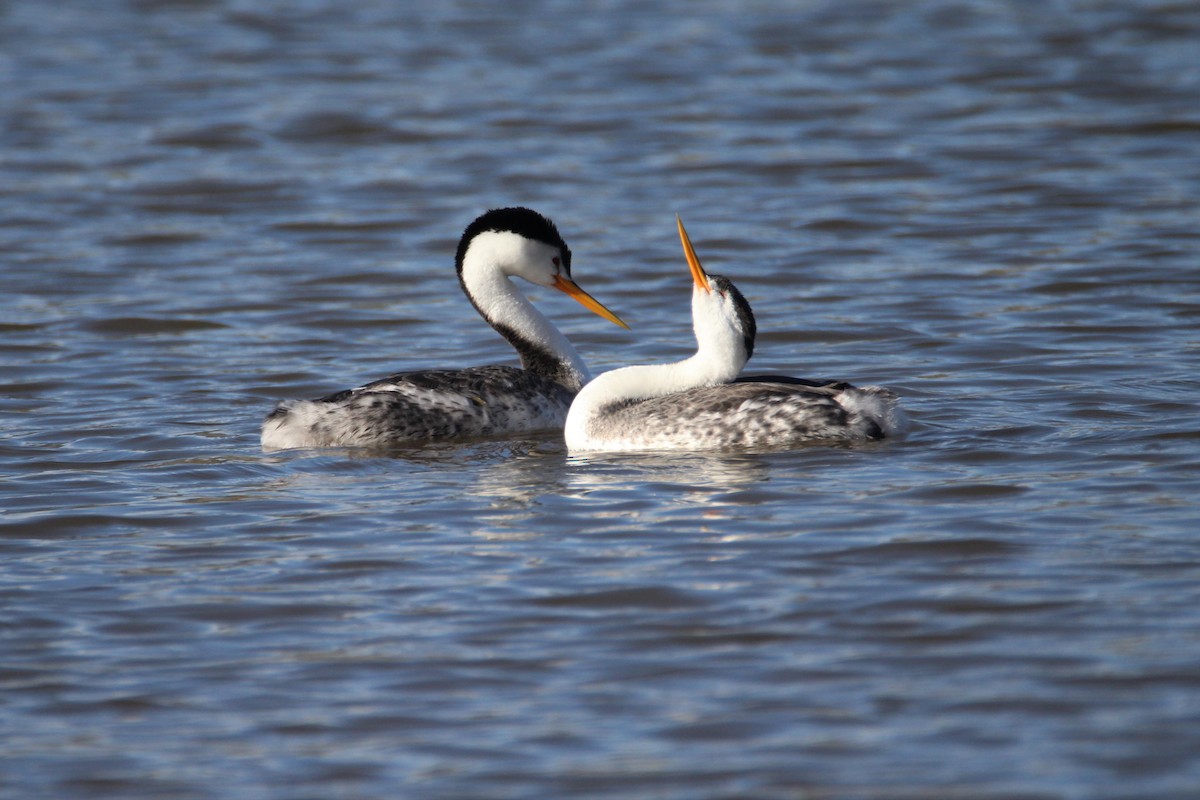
<point x="570" y="287"/>
<point x="699" y="276"/>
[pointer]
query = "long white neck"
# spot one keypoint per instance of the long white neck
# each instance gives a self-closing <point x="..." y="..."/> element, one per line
<point x="542" y="347"/>
<point x="644" y="382"/>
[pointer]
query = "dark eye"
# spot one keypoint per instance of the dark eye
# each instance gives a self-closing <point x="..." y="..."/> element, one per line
<point x="557" y="261"/>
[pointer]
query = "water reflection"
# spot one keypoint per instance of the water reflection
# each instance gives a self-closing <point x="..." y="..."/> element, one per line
<point x="706" y="474"/>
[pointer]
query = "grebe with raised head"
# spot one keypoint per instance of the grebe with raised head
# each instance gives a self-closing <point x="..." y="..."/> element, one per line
<point x="434" y="404"/>
<point x="700" y="403"/>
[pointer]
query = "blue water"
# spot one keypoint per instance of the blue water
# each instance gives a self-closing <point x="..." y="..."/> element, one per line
<point x="206" y="207"/>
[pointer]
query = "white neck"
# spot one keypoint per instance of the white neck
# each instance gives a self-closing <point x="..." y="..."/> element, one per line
<point x="542" y="347"/>
<point x="644" y="382"/>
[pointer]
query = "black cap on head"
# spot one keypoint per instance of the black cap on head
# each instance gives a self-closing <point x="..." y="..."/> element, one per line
<point x="745" y="316"/>
<point x="521" y="221"/>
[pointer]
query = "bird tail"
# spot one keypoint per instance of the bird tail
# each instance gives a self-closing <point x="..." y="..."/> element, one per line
<point x="877" y="405"/>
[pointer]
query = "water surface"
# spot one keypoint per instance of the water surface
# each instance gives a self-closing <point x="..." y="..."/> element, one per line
<point x="206" y="207"/>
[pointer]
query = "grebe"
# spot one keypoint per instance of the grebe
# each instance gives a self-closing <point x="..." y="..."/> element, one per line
<point x="697" y="404"/>
<point x="479" y="401"/>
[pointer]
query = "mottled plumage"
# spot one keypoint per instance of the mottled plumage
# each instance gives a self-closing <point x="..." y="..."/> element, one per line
<point x="699" y="403"/>
<point x="760" y="413"/>
<point x="434" y="404"/>
<point x="427" y="405"/>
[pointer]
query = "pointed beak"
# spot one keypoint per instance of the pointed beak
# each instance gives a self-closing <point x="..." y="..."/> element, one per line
<point x="570" y="287"/>
<point x="699" y="276"/>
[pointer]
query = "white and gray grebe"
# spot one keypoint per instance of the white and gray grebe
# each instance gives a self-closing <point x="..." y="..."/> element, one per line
<point x="700" y="403"/>
<point x="434" y="404"/>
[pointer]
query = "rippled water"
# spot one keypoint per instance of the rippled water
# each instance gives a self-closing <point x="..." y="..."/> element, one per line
<point x="209" y="206"/>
